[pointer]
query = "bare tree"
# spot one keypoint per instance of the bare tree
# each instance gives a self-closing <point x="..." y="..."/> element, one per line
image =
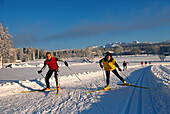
<point x="162" y="57"/>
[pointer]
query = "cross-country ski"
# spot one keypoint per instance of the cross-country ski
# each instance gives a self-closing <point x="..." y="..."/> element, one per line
<point x="133" y="86"/>
<point x="37" y="91"/>
<point x="100" y="90"/>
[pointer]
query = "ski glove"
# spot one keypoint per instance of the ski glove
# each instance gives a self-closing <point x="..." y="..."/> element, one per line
<point x="39" y="72"/>
<point x="65" y="62"/>
<point x="120" y="69"/>
<point x="101" y="66"/>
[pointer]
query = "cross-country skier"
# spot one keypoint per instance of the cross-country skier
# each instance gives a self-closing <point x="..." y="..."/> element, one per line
<point x="110" y="64"/>
<point x="124" y="66"/>
<point x="53" y="67"/>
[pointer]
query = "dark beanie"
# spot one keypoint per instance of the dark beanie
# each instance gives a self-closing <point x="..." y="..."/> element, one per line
<point x="108" y="54"/>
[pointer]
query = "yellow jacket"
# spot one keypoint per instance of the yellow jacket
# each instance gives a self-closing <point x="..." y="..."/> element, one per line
<point x="109" y="66"/>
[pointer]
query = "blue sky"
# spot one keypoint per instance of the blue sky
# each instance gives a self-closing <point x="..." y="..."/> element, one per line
<point x="64" y="24"/>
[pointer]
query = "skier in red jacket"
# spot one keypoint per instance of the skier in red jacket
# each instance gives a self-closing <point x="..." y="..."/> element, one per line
<point x="53" y="67"/>
<point x="124" y="66"/>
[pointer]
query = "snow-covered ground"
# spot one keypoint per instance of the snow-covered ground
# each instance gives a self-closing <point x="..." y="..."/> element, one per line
<point x="72" y="97"/>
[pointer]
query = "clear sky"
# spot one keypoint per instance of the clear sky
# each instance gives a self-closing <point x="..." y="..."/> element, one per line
<point x="64" y="24"/>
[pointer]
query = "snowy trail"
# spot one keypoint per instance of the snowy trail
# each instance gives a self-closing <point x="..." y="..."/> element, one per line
<point x="128" y="100"/>
<point x="136" y="101"/>
<point x="73" y="99"/>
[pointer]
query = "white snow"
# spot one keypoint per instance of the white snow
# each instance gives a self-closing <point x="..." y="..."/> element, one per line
<point x="72" y="97"/>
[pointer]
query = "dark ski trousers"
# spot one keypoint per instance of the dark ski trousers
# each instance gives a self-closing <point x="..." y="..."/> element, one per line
<point x="108" y="76"/>
<point x="48" y="76"/>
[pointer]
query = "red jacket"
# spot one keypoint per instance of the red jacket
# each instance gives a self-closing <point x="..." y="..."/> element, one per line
<point x="52" y="64"/>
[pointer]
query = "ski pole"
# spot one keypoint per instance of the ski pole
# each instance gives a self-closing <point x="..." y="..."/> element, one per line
<point x="103" y="75"/>
<point x="126" y="77"/>
<point x="77" y="76"/>
<point x="42" y="76"/>
<point x="129" y="65"/>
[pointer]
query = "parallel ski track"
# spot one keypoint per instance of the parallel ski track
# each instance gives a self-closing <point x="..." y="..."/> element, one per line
<point x="135" y="98"/>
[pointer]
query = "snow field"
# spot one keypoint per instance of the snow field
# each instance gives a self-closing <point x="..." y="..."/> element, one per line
<point x="72" y="97"/>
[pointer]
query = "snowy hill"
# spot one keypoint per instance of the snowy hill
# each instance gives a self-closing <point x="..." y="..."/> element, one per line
<point x="116" y="44"/>
<point x="134" y="42"/>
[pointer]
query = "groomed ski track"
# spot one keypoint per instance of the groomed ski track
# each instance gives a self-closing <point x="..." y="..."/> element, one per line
<point x="138" y="98"/>
<point x="73" y="99"/>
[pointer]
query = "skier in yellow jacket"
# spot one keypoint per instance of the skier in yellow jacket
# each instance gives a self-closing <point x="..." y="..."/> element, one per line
<point x="110" y="64"/>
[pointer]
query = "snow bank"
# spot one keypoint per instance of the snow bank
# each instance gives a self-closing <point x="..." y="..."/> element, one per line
<point x="162" y="72"/>
<point x="160" y="92"/>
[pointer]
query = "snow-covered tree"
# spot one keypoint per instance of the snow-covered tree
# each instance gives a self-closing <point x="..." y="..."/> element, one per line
<point x="99" y="52"/>
<point x="42" y="53"/>
<point x="0" y="62"/>
<point x="89" y="53"/>
<point x="37" y="54"/>
<point x="118" y="50"/>
<point x="136" y="50"/>
<point x="13" y="56"/>
<point x="5" y="44"/>
<point x="155" y="49"/>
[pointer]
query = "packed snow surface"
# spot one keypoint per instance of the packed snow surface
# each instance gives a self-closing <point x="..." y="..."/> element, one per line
<point x="72" y="97"/>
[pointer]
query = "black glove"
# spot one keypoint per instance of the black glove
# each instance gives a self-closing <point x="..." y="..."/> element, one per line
<point x="65" y="62"/>
<point x="101" y="66"/>
<point x="39" y="72"/>
<point x="120" y="69"/>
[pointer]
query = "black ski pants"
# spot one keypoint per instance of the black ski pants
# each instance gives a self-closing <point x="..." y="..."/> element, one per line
<point x="108" y="76"/>
<point x="48" y="76"/>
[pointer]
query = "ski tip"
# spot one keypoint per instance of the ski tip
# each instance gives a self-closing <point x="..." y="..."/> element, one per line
<point x="134" y="86"/>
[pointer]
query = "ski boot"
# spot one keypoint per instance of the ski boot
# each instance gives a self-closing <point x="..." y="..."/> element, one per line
<point x="106" y="88"/>
<point x="58" y="88"/>
<point x="46" y="89"/>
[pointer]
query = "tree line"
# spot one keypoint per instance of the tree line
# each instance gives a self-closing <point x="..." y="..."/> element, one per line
<point x="10" y="54"/>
